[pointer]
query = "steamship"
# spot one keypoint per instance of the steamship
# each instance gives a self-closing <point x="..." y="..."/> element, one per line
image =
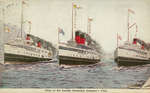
<point x="77" y="52"/>
<point x="25" y="50"/>
<point x="132" y="53"/>
<point x="81" y="49"/>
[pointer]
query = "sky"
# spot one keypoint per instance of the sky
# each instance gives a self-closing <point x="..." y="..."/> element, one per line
<point x="109" y="18"/>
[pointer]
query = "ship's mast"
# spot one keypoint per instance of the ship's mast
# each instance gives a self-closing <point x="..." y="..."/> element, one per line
<point x="89" y="25"/>
<point x="22" y="2"/>
<point x="128" y="24"/>
<point x="3" y="14"/>
<point x="2" y="29"/>
<point x="72" y="22"/>
<point x="117" y="41"/>
<point x="74" y="14"/>
<point x="29" y="26"/>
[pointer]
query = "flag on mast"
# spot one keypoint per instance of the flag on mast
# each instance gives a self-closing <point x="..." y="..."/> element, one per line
<point x="23" y="2"/>
<point x="119" y="37"/>
<point x="7" y="29"/>
<point x="61" y="31"/>
<point x="90" y="19"/>
<point x="29" y="22"/>
<point x="136" y="31"/>
<point x="75" y="6"/>
<point x="131" y="11"/>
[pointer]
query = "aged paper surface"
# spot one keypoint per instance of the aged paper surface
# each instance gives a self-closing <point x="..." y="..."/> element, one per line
<point x="51" y="23"/>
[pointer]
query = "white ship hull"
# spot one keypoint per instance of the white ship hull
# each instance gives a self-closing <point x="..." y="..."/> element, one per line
<point x="131" y="56"/>
<point x="16" y="53"/>
<point x="76" y="60"/>
<point x="77" y="56"/>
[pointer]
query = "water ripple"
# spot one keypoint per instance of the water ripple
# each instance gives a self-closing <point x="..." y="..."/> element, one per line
<point x="105" y="74"/>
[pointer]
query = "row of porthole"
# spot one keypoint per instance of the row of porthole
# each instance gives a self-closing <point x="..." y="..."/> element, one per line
<point x="88" y="52"/>
<point x="76" y="55"/>
<point x="35" y="49"/>
<point x="27" y="53"/>
<point x="37" y="55"/>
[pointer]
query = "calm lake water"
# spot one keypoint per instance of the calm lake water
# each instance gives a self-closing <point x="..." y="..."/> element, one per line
<point x="105" y="74"/>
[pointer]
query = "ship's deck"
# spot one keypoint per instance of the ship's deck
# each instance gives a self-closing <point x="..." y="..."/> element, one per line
<point x="74" y="48"/>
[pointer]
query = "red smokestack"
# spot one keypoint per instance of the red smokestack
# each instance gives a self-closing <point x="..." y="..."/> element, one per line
<point x="134" y="41"/>
<point x="28" y="38"/>
<point x="39" y="44"/>
<point x="82" y="38"/>
<point x="77" y="37"/>
<point x="142" y="47"/>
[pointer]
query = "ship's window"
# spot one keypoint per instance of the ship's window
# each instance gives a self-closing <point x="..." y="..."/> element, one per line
<point x="38" y="50"/>
<point x="70" y="49"/>
<point x="141" y="52"/>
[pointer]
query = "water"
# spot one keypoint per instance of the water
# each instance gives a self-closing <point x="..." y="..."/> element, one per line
<point x="50" y="75"/>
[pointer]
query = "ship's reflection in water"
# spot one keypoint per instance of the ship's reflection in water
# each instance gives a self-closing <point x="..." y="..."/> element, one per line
<point x="50" y="75"/>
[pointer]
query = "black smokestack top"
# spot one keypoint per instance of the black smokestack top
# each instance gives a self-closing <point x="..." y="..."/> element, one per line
<point x="28" y="35"/>
<point x="134" y="39"/>
<point x="39" y="41"/>
<point x="77" y="33"/>
<point x="82" y="35"/>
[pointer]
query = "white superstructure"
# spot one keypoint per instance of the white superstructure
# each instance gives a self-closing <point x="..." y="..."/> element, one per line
<point x="77" y="54"/>
<point x="21" y="49"/>
<point x="77" y="50"/>
<point x="130" y="53"/>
